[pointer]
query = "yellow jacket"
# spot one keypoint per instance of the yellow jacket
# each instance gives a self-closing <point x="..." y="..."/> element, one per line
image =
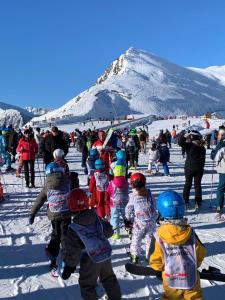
<point x="176" y="235"/>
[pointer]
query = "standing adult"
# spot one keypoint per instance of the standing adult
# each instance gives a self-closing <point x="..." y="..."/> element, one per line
<point x="52" y="141"/>
<point x="219" y="159"/>
<point x="194" y="165"/>
<point x="28" y="148"/>
<point x="107" y="153"/>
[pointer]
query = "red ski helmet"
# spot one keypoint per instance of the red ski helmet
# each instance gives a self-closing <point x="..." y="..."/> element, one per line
<point x="137" y="180"/>
<point x="78" y="200"/>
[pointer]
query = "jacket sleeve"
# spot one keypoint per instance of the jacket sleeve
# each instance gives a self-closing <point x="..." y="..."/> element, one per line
<point x="129" y="210"/>
<point x="40" y="200"/>
<point x="156" y="260"/>
<point x="200" y="251"/>
<point x="73" y="247"/>
<point x="107" y="228"/>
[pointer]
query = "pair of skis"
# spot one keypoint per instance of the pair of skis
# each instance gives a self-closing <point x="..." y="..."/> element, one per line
<point x="212" y="274"/>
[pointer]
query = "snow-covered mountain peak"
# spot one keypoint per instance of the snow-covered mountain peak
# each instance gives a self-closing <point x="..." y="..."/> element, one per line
<point x="214" y="72"/>
<point x="142" y="82"/>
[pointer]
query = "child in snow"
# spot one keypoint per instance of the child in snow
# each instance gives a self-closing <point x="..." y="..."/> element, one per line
<point x="164" y="158"/>
<point x="86" y="244"/>
<point x="130" y="152"/>
<point x="118" y="191"/>
<point x="176" y="250"/>
<point x="153" y="158"/>
<point x="119" y="166"/>
<point x="90" y="163"/>
<point x="99" y="182"/>
<point x="55" y="191"/>
<point x="141" y="210"/>
<point x="58" y="155"/>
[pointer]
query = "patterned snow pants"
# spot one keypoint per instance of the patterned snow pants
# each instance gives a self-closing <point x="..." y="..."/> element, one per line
<point x="141" y="230"/>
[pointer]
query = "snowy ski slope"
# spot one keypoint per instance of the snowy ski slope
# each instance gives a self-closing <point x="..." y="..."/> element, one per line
<point x="24" y="267"/>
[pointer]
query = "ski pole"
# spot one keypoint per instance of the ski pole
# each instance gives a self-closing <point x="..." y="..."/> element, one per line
<point x="39" y="170"/>
<point x="210" y="200"/>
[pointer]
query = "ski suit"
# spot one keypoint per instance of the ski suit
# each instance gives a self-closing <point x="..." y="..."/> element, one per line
<point x="106" y="154"/>
<point x="177" y="252"/>
<point x="55" y="191"/>
<point x="118" y="190"/>
<point x="142" y="211"/>
<point x="5" y="155"/>
<point x="99" y="197"/>
<point x="164" y="158"/>
<point x="28" y="148"/>
<point x="93" y="253"/>
<point x="218" y="155"/>
<point x="153" y="159"/>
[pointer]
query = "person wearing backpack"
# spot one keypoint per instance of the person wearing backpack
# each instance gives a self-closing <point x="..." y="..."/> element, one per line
<point x="98" y="184"/>
<point x="142" y="212"/>
<point x="55" y="192"/>
<point x="87" y="245"/>
<point x="176" y="250"/>
<point x="118" y="190"/>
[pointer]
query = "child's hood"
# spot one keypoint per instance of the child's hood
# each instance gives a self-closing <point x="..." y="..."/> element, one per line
<point x="174" y="234"/>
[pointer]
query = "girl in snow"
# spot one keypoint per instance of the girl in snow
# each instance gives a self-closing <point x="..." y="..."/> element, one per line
<point x="99" y="182"/>
<point x="118" y="191"/>
<point x="141" y="210"/>
<point x="153" y="158"/>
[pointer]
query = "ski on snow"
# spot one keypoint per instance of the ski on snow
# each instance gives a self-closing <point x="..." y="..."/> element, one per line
<point x="212" y="274"/>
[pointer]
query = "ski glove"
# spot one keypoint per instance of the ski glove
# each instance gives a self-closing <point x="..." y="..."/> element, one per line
<point x="66" y="271"/>
<point x="31" y="219"/>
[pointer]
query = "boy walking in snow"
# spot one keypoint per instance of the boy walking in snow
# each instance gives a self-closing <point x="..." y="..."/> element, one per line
<point x="176" y="250"/>
<point x="86" y="244"/>
<point x="55" y="191"/>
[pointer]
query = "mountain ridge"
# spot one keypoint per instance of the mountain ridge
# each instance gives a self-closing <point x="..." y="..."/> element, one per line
<point x="141" y="82"/>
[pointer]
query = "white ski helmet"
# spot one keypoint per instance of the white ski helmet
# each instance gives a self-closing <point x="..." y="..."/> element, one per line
<point x="58" y="153"/>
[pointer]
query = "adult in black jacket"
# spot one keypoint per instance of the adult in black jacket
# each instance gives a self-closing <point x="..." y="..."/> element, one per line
<point x="194" y="165"/>
<point x="52" y="141"/>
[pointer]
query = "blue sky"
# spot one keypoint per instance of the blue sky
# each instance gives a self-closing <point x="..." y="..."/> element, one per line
<point x="50" y="50"/>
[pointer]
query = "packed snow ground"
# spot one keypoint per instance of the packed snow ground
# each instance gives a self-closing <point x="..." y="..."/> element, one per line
<point x="24" y="272"/>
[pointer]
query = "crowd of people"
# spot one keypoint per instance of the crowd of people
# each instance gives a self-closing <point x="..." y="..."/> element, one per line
<point x="85" y="219"/>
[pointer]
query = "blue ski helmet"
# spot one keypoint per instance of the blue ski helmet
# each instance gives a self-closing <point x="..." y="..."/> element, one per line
<point x="99" y="164"/>
<point x="94" y="153"/>
<point x="121" y="155"/>
<point x="170" y="205"/>
<point x="54" y="167"/>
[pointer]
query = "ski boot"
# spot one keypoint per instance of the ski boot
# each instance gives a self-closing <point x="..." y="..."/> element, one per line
<point x="133" y="259"/>
<point x="116" y="236"/>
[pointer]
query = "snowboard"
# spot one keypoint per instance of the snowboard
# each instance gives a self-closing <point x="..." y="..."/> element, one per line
<point x="212" y="274"/>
